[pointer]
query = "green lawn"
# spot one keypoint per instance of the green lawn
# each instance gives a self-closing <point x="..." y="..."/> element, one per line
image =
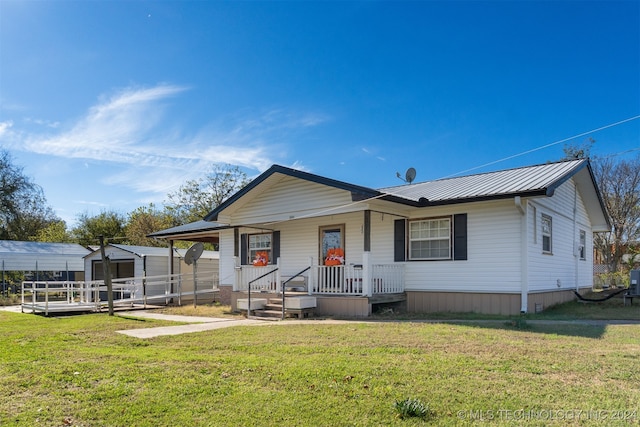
<point x="76" y="370"/>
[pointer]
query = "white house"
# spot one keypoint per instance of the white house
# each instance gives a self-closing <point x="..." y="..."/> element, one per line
<point x="506" y="242"/>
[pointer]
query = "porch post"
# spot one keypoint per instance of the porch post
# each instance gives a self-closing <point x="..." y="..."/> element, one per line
<point x="279" y="287"/>
<point x="237" y="273"/>
<point x="312" y="276"/>
<point x="366" y="274"/>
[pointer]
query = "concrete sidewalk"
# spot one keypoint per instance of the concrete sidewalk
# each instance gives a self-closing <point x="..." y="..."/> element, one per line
<point x="193" y="324"/>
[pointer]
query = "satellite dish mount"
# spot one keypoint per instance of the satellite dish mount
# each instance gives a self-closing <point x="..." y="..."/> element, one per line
<point x="191" y="257"/>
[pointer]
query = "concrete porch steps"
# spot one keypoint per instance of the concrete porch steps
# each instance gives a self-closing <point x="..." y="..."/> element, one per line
<point x="272" y="310"/>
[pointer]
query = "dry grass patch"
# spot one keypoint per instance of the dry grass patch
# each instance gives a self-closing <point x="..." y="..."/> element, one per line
<point x="205" y="310"/>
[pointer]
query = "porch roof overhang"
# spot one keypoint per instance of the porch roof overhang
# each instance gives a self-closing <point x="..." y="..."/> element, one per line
<point x="198" y="231"/>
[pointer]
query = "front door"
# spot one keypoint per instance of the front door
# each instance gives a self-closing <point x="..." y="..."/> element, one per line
<point x="332" y="245"/>
<point x="330" y="276"/>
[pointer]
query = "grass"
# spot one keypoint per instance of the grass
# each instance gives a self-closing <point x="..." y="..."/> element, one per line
<point x="77" y="370"/>
<point x="611" y="309"/>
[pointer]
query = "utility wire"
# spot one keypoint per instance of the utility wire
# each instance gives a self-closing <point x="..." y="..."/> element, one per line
<point x="545" y="146"/>
<point x="324" y="211"/>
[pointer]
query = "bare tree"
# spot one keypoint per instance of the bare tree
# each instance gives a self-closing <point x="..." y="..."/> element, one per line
<point x="619" y="184"/>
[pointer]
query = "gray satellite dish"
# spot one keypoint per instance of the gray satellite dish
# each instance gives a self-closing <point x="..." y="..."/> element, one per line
<point x="193" y="253"/>
<point x="409" y="176"/>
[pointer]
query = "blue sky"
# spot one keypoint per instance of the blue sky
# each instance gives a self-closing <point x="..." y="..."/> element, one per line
<point x="111" y="105"/>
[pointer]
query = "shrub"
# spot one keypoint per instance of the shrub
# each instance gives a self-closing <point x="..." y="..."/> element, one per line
<point x="411" y="408"/>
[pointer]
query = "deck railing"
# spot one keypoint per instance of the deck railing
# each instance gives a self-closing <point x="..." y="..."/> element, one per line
<point x="50" y="296"/>
<point x="352" y="279"/>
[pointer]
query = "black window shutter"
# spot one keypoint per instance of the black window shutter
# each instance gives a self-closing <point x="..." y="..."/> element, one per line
<point x="460" y="237"/>
<point x="399" y="248"/>
<point x="244" y="260"/>
<point x="275" y="249"/>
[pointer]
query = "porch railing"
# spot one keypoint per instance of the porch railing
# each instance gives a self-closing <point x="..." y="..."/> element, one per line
<point x="46" y="296"/>
<point x="353" y="279"/>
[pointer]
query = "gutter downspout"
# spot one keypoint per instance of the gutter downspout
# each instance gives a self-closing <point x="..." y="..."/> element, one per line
<point x="171" y="270"/>
<point x="576" y="254"/>
<point x="524" y="258"/>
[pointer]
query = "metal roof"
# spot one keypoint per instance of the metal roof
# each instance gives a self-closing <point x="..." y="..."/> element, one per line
<point x="525" y="181"/>
<point x="142" y="251"/>
<point x="529" y="181"/>
<point x="41" y="256"/>
<point x="191" y="229"/>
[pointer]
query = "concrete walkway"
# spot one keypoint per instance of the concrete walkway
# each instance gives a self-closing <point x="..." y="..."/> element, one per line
<point x="192" y="324"/>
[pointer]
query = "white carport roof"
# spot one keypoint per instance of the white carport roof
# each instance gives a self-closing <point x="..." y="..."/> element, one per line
<point x="38" y="256"/>
<point x="142" y="251"/>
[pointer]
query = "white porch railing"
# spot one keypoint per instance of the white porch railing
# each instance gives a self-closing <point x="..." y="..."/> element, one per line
<point x="49" y="296"/>
<point x="364" y="279"/>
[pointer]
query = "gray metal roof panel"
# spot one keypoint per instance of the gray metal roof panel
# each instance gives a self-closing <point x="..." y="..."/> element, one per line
<point x="191" y="227"/>
<point x="519" y="181"/>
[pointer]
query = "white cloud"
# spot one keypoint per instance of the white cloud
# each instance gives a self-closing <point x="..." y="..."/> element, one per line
<point x="5" y="126"/>
<point x="40" y="122"/>
<point x="133" y="130"/>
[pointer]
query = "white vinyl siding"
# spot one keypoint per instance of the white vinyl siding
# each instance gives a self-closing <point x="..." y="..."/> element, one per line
<point x="563" y="270"/>
<point x="291" y="199"/>
<point x="493" y="247"/>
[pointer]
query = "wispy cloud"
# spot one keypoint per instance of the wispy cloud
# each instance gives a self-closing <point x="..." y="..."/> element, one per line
<point x="133" y="130"/>
<point x="4" y="127"/>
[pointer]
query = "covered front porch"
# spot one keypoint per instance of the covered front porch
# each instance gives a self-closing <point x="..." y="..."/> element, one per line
<point x="349" y="290"/>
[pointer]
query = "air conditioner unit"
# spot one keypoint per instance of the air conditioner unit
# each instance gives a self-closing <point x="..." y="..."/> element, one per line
<point x="634" y="283"/>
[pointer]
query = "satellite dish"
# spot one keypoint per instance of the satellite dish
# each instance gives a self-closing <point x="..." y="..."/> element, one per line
<point x="410" y="175"/>
<point x="193" y="253"/>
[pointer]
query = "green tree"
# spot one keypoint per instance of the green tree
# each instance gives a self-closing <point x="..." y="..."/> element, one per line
<point x="196" y="198"/>
<point x="580" y="151"/>
<point x="145" y="220"/>
<point x="109" y="224"/>
<point x="54" y="232"/>
<point x="23" y="206"/>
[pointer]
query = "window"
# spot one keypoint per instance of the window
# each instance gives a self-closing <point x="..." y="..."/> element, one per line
<point x="583" y="244"/>
<point x="546" y="233"/>
<point x="258" y="245"/>
<point x="430" y="239"/>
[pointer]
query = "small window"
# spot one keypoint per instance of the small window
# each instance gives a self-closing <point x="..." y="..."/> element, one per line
<point x="582" y="252"/>
<point x="430" y="239"/>
<point x="259" y="246"/>
<point x="546" y="234"/>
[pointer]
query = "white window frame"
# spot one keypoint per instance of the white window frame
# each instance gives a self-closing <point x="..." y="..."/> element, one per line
<point x="546" y="227"/>
<point x="582" y="248"/>
<point x="438" y="230"/>
<point x="262" y="242"/>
